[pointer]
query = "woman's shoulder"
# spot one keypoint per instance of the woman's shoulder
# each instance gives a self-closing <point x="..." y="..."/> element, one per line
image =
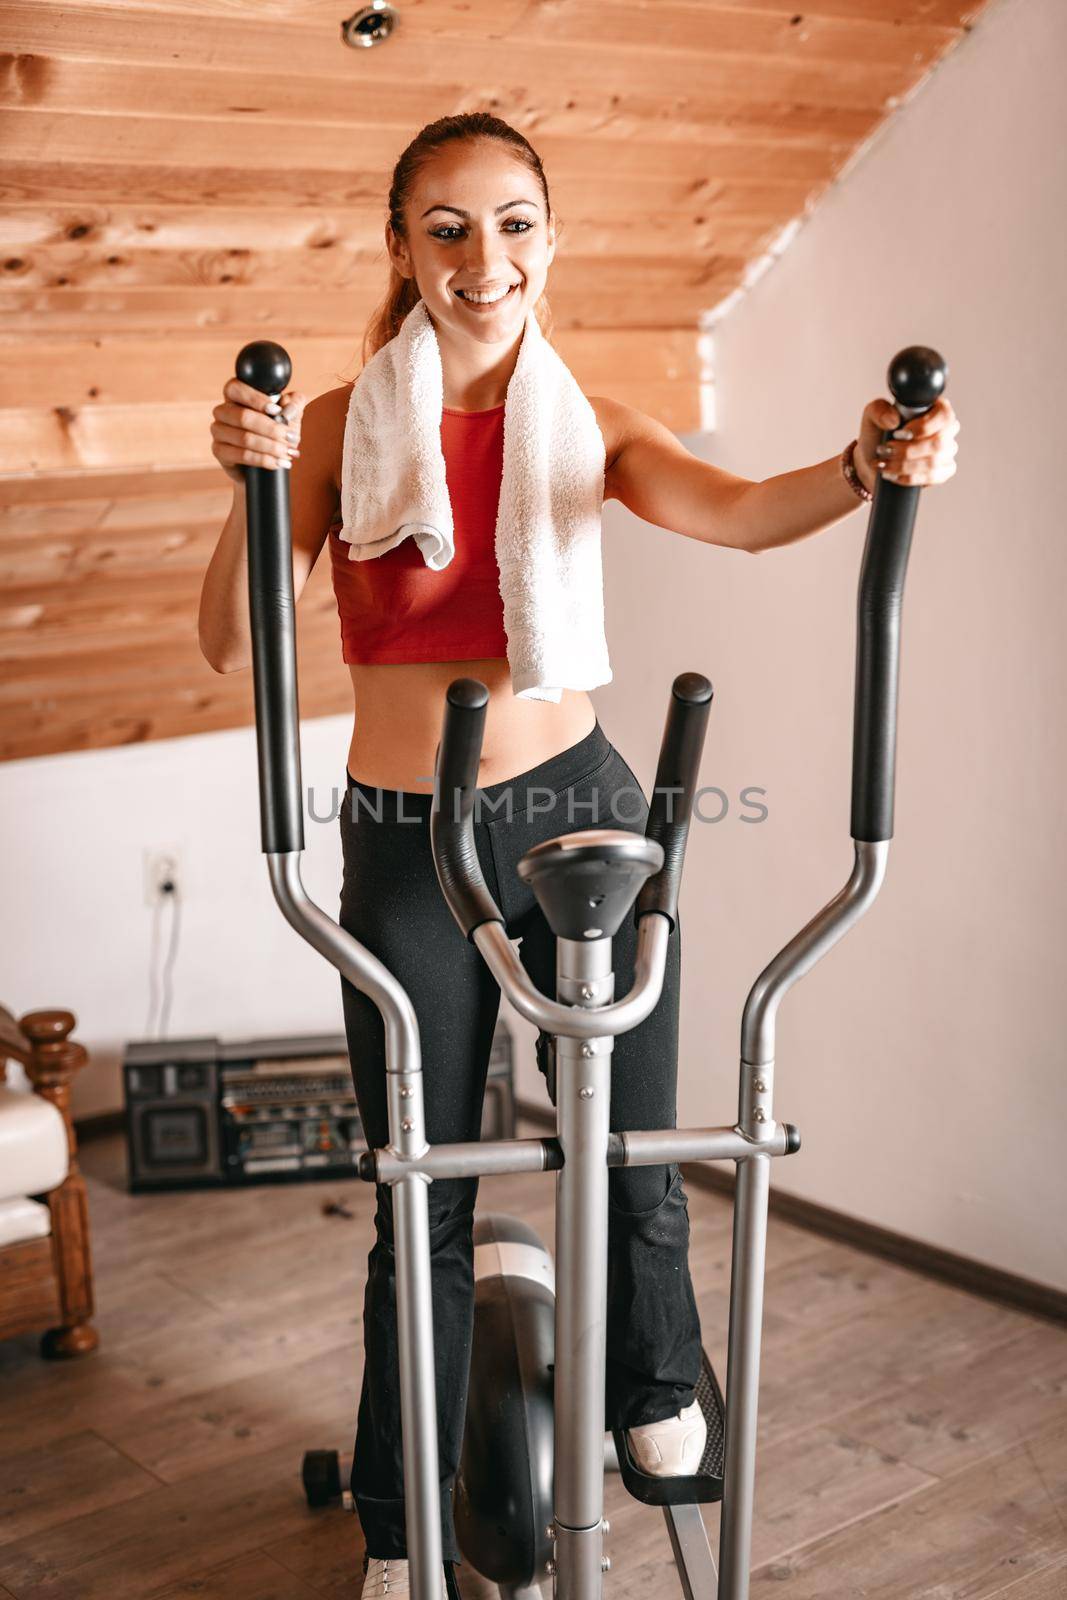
<point x="615" y="421"/>
<point x="322" y="430"/>
<point x="328" y="411"/>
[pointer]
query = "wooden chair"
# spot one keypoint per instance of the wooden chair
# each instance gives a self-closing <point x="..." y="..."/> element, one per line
<point x="46" y="1275"/>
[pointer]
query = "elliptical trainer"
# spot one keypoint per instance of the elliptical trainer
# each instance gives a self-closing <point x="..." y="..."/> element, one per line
<point x="585" y="882"/>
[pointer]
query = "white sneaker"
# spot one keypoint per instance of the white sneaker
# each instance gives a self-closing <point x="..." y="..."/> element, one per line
<point x="672" y="1448"/>
<point x="387" y="1576"/>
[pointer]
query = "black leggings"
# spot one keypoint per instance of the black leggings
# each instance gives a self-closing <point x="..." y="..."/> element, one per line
<point x="392" y="902"/>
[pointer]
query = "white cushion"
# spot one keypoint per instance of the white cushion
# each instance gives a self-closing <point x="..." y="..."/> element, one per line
<point x="23" y="1219"/>
<point x="33" y="1144"/>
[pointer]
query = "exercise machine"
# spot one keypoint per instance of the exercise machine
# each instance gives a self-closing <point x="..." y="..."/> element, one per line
<point x="530" y="1494"/>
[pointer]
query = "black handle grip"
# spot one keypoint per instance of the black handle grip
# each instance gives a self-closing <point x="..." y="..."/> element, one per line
<point x="451" y="811"/>
<point x="266" y="367"/>
<point x="916" y="377"/>
<point x="676" y="782"/>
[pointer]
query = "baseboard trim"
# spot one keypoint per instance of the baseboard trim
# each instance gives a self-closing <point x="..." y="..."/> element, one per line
<point x="992" y="1283"/>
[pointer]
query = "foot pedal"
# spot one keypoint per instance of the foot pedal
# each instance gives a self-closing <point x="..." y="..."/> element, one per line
<point x="706" y="1484"/>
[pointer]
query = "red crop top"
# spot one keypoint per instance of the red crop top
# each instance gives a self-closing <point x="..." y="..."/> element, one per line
<point x="394" y="607"/>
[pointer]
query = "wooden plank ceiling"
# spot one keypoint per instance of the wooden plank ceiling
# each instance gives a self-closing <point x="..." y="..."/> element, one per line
<point x="184" y="175"/>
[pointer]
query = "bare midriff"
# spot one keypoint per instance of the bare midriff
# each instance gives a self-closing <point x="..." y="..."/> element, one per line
<point x="400" y="708"/>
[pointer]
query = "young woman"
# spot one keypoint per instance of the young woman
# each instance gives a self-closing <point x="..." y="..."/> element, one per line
<point x="471" y="232"/>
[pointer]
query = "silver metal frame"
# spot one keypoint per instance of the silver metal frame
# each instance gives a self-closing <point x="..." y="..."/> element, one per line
<point x="584" y="1018"/>
<point x="756" y="1122"/>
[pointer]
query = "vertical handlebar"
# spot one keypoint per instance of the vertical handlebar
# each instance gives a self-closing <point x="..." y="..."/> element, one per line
<point x="266" y="366"/>
<point x="454" y="790"/>
<point x="676" y="776"/>
<point x="916" y="378"/>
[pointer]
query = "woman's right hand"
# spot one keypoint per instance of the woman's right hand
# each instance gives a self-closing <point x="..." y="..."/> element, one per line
<point x="255" y="430"/>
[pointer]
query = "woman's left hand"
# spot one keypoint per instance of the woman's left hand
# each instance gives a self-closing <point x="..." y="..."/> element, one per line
<point x="921" y="452"/>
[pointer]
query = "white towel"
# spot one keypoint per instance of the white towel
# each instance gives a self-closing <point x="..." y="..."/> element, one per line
<point x="393" y="487"/>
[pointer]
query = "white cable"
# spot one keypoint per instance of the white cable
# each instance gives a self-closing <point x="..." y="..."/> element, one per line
<point x="168" y="965"/>
<point x="153" y="953"/>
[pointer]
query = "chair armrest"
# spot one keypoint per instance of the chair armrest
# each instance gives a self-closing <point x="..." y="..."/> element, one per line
<point x="40" y="1041"/>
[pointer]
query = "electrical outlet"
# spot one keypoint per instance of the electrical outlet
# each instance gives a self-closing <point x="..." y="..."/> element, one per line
<point x="161" y="867"/>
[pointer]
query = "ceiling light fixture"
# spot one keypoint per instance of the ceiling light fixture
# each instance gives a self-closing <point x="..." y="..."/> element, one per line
<point x="370" y="25"/>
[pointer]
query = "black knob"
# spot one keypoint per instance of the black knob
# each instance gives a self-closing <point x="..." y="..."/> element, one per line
<point x="692" y="688"/>
<point x="917" y="377"/>
<point x="468" y="693"/>
<point x="265" y="366"/>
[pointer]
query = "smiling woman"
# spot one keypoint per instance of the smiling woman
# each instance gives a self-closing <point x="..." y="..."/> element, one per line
<point x="471" y="236"/>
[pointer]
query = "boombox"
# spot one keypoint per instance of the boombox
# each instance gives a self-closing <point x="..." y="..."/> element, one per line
<point x="201" y="1113"/>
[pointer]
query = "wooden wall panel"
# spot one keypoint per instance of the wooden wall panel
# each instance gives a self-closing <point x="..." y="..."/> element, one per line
<point x="181" y="176"/>
<point x="252" y="146"/>
<point x="574" y="44"/>
<point x="625" y="298"/>
<point x="86" y="405"/>
<point x="99" y="591"/>
<point x="152" y="246"/>
<point x="75" y="85"/>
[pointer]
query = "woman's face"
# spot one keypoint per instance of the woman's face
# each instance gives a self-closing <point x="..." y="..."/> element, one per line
<point x="476" y="221"/>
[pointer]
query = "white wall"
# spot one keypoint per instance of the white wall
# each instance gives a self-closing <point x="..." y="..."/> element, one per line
<point x="924" y="1060"/>
<point x="77" y="931"/>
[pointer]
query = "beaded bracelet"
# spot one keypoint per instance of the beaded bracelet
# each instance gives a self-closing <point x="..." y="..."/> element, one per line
<point x="852" y="478"/>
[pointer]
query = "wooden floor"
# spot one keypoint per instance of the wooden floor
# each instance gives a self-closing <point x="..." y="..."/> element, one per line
<point x="913" y="1438"/>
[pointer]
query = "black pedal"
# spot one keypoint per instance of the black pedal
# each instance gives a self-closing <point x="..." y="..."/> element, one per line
<point x="706" y="1484"/>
